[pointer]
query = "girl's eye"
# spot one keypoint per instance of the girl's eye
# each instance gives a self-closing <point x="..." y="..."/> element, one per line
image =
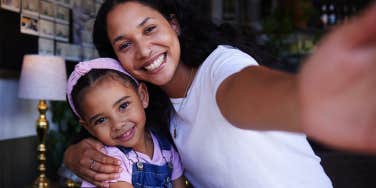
<point x="124" y="45"/>
<point x="123" y="106"/>
<point x="149" y="29"/>
<point x="99" y="121"/>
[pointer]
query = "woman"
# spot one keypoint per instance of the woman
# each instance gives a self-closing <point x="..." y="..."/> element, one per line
<point x="215" y="89"/>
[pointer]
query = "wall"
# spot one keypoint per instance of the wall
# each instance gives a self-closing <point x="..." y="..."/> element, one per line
<point x="17" y="116"/>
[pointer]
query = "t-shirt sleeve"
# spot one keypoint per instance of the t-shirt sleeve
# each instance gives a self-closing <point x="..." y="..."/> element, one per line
<point x="227" y="62"/>
<point x="126" y="173"/>
<point x="178" y="169"/>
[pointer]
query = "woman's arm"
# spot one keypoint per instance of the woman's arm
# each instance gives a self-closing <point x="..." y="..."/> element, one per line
<point x="333" y="98"/>
<point x="179" y="183"/>
<point x="260" y="98"/>
<point x="79" y="157"/>
<point x="121" y="184"/>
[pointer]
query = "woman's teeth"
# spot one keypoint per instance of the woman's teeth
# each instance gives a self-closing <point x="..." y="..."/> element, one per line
<point x="156" y="63"/>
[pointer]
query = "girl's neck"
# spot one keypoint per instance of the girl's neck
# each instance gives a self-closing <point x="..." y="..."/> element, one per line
<point x="146" y="145"/>
<point x="181" y="81"/>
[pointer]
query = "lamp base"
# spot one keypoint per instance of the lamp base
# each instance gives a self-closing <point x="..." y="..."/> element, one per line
<point x="41" y="182"/>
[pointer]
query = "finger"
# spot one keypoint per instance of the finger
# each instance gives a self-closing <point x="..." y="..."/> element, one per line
<point x="93" y="176"/>
<point x="105" y="168"/>
<point x="94" y="143"/>
<point x="102" y="158"/>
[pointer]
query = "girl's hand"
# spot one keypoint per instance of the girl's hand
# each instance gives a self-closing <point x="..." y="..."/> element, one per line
<point x="337" y="86"/>
<point x="87" y="161"/>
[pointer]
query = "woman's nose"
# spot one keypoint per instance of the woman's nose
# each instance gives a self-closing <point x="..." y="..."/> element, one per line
<point x="143" y="49"/>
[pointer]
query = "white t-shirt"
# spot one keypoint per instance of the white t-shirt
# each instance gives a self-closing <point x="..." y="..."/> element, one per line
<point x="216" y="154"/>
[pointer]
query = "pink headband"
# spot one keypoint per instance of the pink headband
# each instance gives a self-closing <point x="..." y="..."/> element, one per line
<point x="84" y="67"/>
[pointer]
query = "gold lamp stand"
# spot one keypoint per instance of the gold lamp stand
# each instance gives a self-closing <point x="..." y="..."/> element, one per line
<point x="42" y="129"/>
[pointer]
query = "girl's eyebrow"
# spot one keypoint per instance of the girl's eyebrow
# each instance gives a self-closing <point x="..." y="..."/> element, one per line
<point x="120" y="100"/>
<point x="142" y="23"/>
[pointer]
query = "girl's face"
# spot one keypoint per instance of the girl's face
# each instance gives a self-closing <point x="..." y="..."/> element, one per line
<point x="146" y="44"/>
<point x="113" y="112"/>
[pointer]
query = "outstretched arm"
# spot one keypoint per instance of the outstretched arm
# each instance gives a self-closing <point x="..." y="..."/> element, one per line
<point x="338" y="86"/>
<point x="79" y="158"/>
<point x="333" y="98"/>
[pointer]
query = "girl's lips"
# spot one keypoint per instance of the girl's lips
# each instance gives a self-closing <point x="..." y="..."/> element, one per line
<point x="127" y="135"/>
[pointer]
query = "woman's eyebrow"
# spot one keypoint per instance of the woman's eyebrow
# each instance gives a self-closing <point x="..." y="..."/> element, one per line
<point x="142" y="23"/>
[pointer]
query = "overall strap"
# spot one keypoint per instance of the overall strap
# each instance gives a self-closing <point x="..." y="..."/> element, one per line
<point x="163" y="142"/>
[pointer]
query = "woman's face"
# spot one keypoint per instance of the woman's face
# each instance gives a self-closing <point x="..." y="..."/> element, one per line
<point x="146" y="44"/>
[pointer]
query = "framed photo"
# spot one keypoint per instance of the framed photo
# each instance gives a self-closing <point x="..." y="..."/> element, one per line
<point x="88" y="7"/>
<point x="29" y="25"/>
<point x="61" y="49"/>
<point x="12" y="5"/>
<point x="74" y="52"/>
<point x="65" y="3"/>
<point x="46" y="28"/>
<point x="88" y="53"/>
<point x="47" y="10"/>
<point x="62" y="14"/>
<point x="61" y="32"/>
<point x="68" y="51"/>
<point x="46" y="46"/>
<point x="86" y="32"/>
<point x="30" y="7"/>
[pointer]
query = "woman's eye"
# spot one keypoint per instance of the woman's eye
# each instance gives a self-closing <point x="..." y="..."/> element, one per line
<point x="149" y="29"/>
<point x="123" y="106"/>
<point x="99" y="121"/>
<point x="124" y="45"/>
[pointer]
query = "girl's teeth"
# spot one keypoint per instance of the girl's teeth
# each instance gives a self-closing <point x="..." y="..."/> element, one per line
<point x="155" y="64"/>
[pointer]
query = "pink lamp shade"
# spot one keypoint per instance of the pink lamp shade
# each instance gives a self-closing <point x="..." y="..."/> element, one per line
<point x="42" y="78"/>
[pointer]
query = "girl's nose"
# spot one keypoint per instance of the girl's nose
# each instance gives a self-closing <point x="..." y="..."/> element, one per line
<point x="118" y="123"/>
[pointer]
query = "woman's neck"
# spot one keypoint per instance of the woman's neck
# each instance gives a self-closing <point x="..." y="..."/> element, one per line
<point x="181" y="81"/>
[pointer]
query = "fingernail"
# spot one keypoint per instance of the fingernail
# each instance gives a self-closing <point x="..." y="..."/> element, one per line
<point x="118" y="162"/>
<point x="117" y="175"/>
<point x="106" y="185"/>
<point x="120" y="169"/>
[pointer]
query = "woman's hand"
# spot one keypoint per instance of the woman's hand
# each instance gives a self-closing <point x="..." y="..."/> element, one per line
<point x="87" y="161"/>
<point x="338" y="86"/>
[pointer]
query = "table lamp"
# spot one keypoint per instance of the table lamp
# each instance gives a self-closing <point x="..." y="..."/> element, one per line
<point x="42" y="78"/>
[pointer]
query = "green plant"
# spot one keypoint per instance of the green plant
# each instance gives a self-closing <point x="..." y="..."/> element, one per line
<point x="59" y="139"/>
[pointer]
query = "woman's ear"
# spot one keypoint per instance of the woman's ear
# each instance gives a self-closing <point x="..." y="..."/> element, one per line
<point x="143" y="94"/>
<point x="174" y="23"/>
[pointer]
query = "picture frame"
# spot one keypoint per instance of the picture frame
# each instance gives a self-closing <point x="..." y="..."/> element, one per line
<point x="29" y="24"/>
<point x="62" y="14"/>
<point x="46" y="28"/>
<point x="46" y="46"/>
<point x="12" y="5"/>
<point x="47" y="10"/>
<point x="62" y="32"/>
<point x="30" y="7"/>
<point x="65" y="3"/>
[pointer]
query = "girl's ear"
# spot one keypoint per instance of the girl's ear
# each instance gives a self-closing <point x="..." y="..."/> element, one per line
<point x="174" y="23"/>
<point x="143" y="94"/>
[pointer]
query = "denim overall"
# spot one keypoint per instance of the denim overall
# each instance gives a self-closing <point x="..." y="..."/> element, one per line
<point x="145" y="175"/>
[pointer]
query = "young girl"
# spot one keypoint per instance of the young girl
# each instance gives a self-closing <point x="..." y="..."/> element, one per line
<point x="110" y="105"/>
<point x="216" y="88"/>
